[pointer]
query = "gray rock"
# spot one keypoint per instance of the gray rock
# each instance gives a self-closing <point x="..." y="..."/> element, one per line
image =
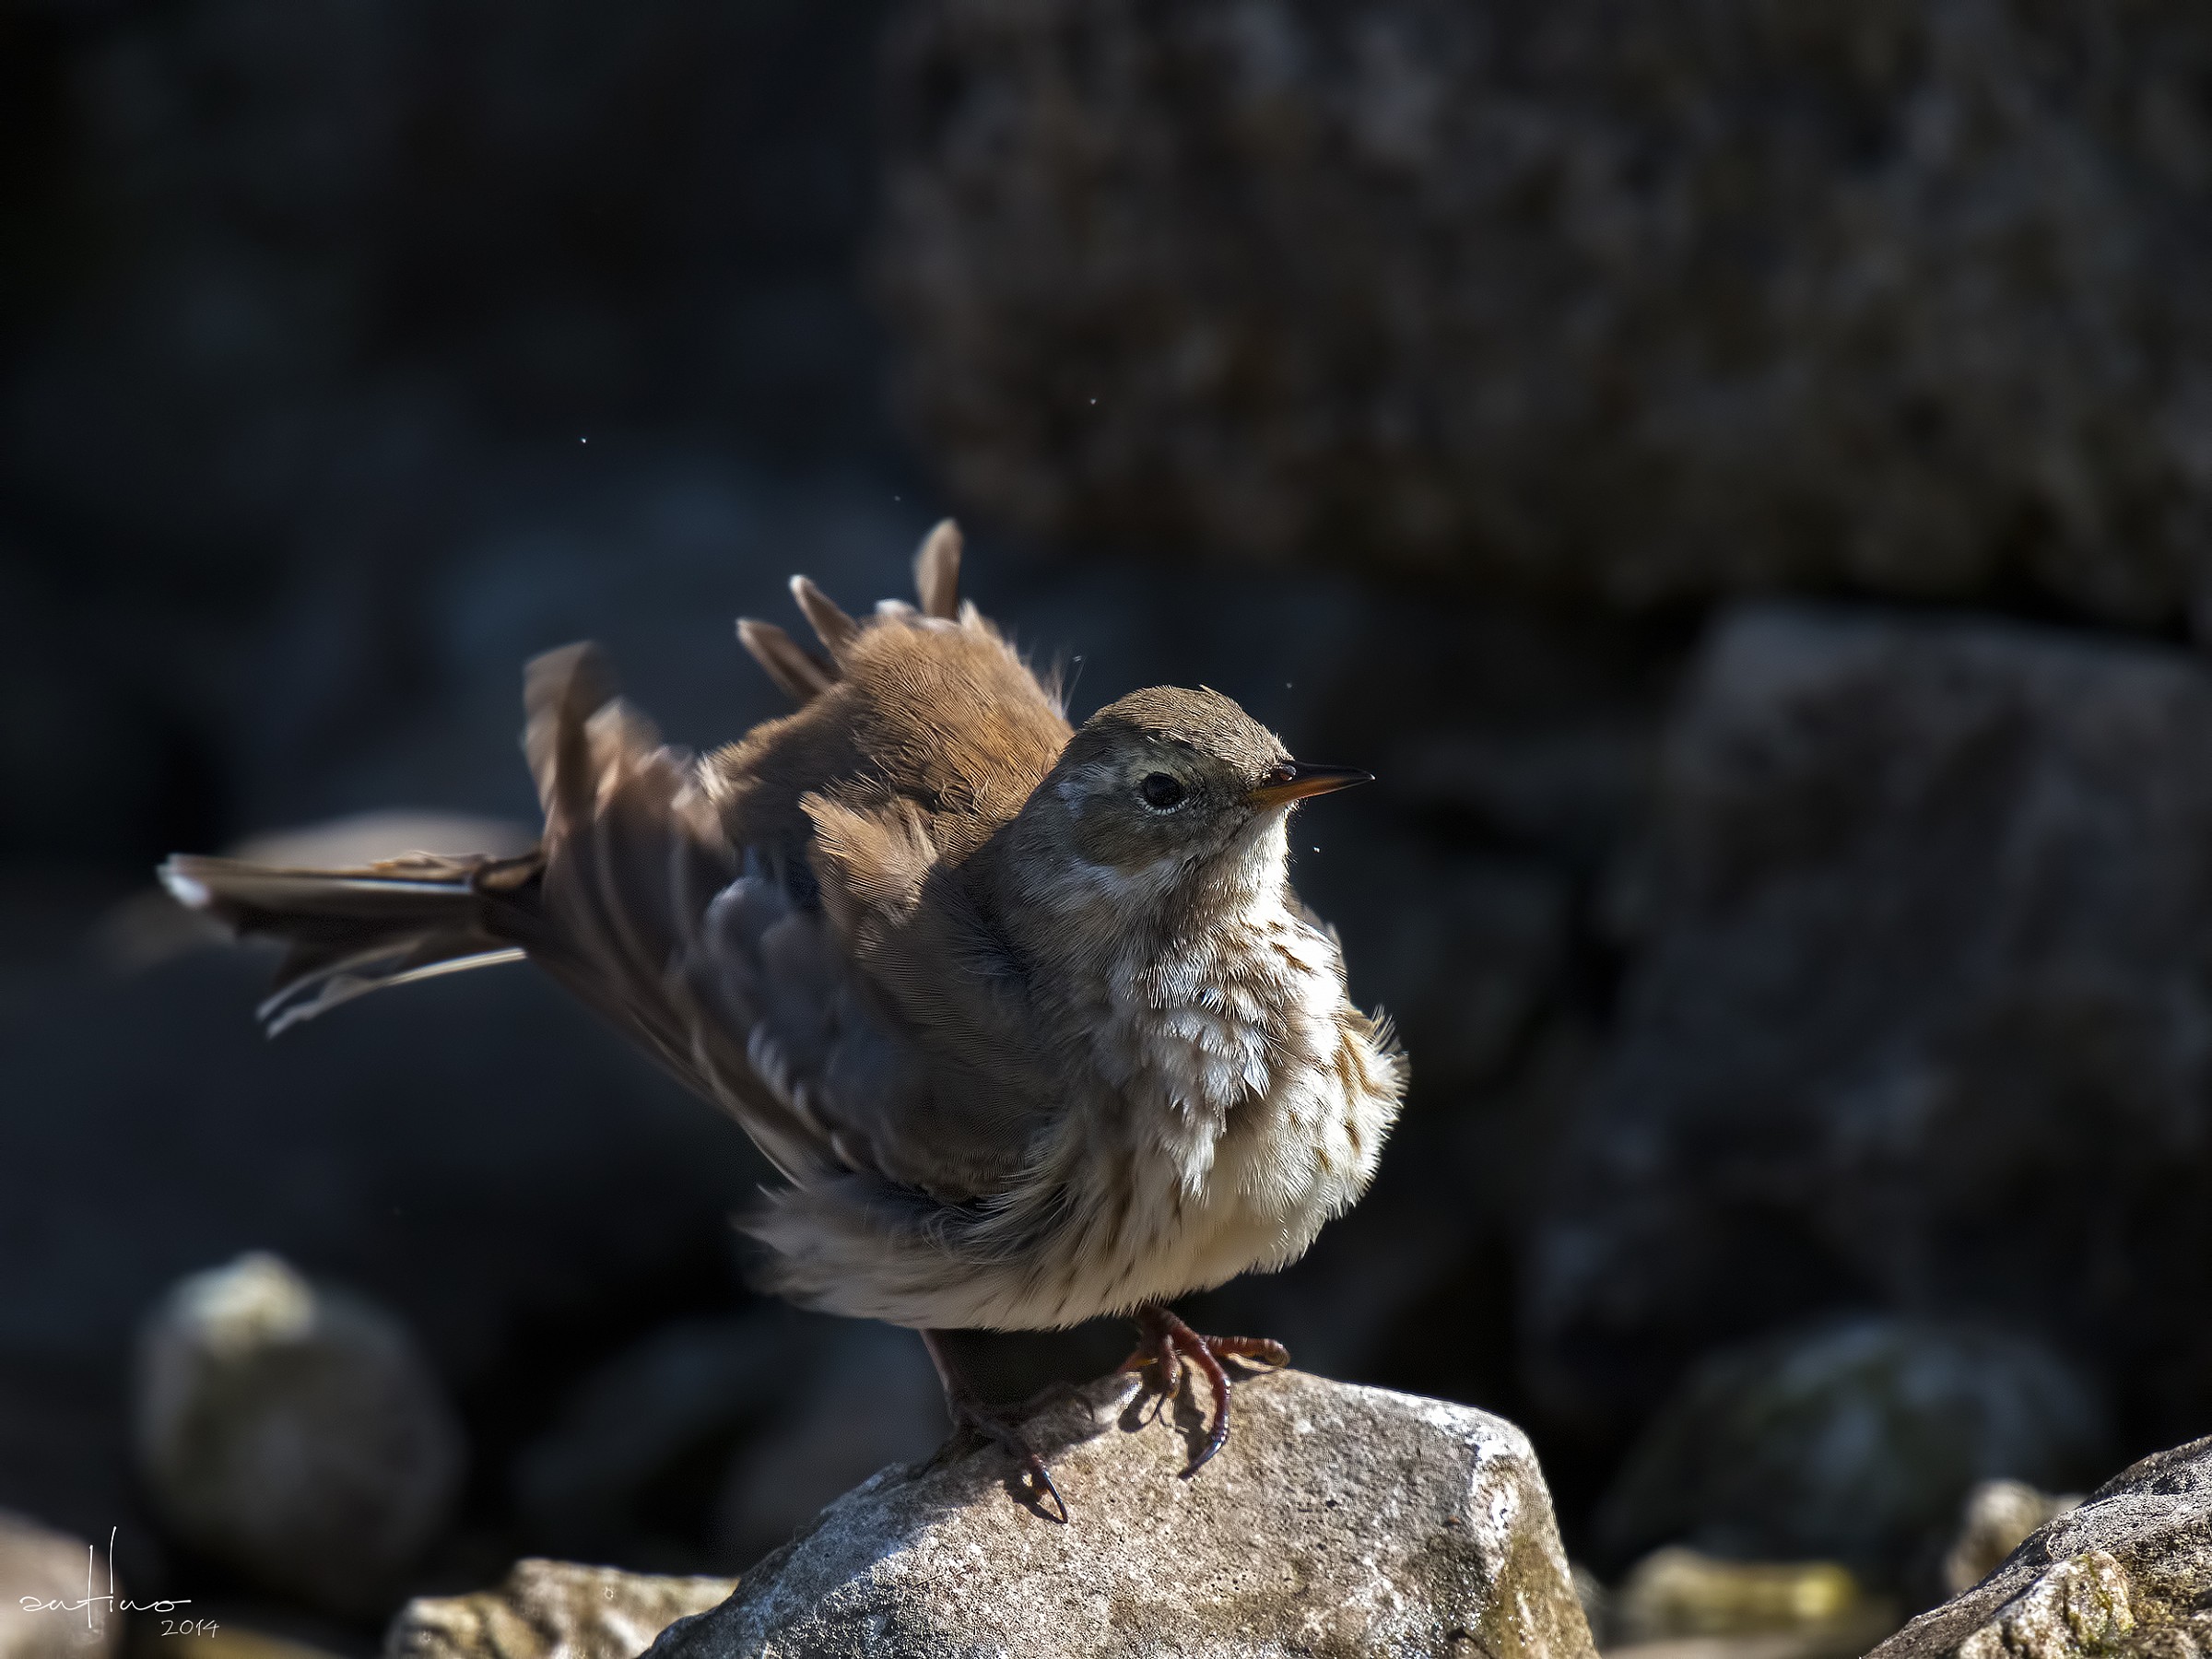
<point x="1998" y="1518"/>
<point x="551" y="1610"/>
<point x="294" y="1432"/>
<point x="1644" y="299"/>
<point x="1338" y="1520"/>
<point x="2127" y="1573"/>
<point x="47" y="1579"/>
<point x="1852" y="1442"/>
<point x="1921" y="1018"/>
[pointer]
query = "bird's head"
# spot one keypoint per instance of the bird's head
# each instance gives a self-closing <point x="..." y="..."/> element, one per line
<point x="1169" y="792"/>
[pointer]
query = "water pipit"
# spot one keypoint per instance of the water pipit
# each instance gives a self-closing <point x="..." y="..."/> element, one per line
<point x="1029" y="1018"/>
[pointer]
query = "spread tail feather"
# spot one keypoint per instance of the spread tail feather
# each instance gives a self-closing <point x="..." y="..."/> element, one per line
<point x="351" y="932"/>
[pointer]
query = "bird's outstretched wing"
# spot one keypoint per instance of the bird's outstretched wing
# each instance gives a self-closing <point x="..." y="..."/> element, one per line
<point x="782" y="926"/>
<point x="785" y="925"/>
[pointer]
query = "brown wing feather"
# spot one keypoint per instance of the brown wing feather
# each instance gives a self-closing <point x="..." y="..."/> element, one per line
<point x="785" y="926"/>
<point x="832" y="626"/>
<point x="635" y="858"/>
<point x="931" y="738"/>
<point x="906" y="922"/>
<point x="937" y="570"/>
<point x="943" y="715"/>
<point x="846" y="1034"/>
<point x="794" y="669"/>
<point x="349" y="932"/>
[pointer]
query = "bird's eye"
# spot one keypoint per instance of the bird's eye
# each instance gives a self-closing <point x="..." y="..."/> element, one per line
<point x="1161" y="793"/>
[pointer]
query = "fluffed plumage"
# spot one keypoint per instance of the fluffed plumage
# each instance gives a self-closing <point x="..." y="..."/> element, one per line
<point x="1027" y="1045"/>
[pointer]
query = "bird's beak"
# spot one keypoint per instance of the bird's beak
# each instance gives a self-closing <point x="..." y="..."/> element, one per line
<point x="1294" y="782"/>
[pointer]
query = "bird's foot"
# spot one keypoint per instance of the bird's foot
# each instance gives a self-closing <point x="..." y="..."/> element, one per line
<point x="1166" y="1342"/>
<point x="971" y="1414"/>
<point x="996" y="1427"/>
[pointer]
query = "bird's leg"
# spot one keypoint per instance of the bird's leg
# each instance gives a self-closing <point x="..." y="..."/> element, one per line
<point x="969" y="1411"/>
<point x="1165" y="1341"/>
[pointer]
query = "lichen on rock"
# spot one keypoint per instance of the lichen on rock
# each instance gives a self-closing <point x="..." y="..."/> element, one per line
<point x="2124" y="1576"/>
<point x="2079" y="1607"/>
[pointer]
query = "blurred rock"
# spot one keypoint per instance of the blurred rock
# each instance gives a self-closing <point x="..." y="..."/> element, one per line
<point x="869" y="1398"/>
<point x="1917" y="1020"/>
<point x="228" y="1640"/>
<point x="2128" y="1573"/>
<point x="514" y="1182"/>
<point x="792" y="1408"/>
<point x="1339" y="1519"/>
<point x="643" y="1433"/>
<point x="46" y="1578"/>
<point x="1999" y="1514"/>
<point x="293" y="1432"/>
<point x="1852" y="1442"/>
<point x="552" y="1610"/>
<point x="1675" y="1595"/>
<point x="1572" y="788"/>
<point x="1637" y="300"/>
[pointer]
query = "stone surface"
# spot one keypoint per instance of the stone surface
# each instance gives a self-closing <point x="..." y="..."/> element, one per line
<point x="1338" y="1520"/>
<point x="1997" y="1517"/>
<point x="1641" y="299"/>
<point x="1919" y="1016"/>
<point x="2127" y="1573"/>
<point x="552" y="1610"/>
<point x="1853" y="1441"/>
<point x="46" y="1578"/>
<point x="294" y="1432"/>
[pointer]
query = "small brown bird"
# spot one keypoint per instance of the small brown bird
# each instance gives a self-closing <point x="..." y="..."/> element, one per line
<point x="1029" y="1020"/>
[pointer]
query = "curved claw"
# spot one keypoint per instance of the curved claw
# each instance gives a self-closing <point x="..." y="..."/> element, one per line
<point x="1041" y="1476"/>
<point x="969" y="1412"/>
<point x="1167" y="1342"/>
<point x="1209" y="1366"/>
<point x="972" y="1415"/>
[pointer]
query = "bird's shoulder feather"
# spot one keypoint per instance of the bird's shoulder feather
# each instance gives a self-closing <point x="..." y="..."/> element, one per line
<point x="942" y="715"/>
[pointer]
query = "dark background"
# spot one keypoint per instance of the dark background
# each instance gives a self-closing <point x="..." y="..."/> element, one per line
<point x="1739" y="473"/>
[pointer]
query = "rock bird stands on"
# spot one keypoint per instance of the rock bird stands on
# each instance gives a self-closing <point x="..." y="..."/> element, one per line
<point x="1029" y="1020"/>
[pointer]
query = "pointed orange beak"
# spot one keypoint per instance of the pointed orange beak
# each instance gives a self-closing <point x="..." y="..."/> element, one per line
<point x="1294" y="782"/>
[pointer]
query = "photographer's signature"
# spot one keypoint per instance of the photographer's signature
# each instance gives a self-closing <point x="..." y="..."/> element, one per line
<point x="93" y="1604"/>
